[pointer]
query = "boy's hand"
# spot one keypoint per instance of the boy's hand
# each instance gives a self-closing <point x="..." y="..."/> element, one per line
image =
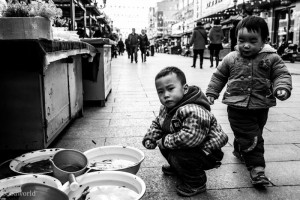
<point x="210" y="100"/>
<point x="282" y="94"/>
<point x="149" y="144"/>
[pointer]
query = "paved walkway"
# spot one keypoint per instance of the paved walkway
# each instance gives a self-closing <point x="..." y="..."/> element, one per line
<point x="133" y="103"/>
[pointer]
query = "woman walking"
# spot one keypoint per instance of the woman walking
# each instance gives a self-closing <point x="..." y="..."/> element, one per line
<point x="216" y="37"/>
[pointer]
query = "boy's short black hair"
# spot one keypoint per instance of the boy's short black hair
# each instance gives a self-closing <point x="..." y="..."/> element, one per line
<point x="254" y="24"/>
<point x="169" y="70"/>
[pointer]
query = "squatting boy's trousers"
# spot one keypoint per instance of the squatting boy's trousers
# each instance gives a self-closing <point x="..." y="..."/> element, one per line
<point x="247" y="126"/>
<point x="190" y="164"/>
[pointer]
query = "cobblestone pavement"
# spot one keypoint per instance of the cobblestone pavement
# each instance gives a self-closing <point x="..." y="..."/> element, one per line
<point x="133" y="103"/>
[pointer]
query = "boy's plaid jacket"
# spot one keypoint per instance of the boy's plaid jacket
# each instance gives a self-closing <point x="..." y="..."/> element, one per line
<point x="189" y="124"/>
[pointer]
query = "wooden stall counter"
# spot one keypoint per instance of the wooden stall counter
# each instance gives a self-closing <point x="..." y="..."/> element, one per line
<point x="97" y="91"/>
<point x="41" y="86"/>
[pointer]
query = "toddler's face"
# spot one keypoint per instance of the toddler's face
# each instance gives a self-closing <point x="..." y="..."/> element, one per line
<point x="249" y="43"/>
<point x="170" y="90"/>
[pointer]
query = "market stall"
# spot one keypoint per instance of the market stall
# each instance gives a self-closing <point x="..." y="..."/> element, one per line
<point x="41" y="85"/>
<point x="96" y="89"/>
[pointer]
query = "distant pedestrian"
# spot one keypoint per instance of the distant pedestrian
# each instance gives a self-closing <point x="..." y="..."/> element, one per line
<point x="127" y="47"/>
<point x="199" y="40"/>
<point x="216" y="37"/>
<point x="233" y="40"/>
<point x="152" y="47"/>
<point x="187" y="51"/>
<point x="114" y="48"/>
<point x="121" y="46"/>
<point x="185" y="131"/>
<point x="156" y="47"/>
<point x="255" y="74"/>
<point x="144" y="44"/>
<point x="133" y="40"/>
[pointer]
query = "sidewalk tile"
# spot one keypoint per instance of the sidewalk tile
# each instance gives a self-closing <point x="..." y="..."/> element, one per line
<point x="285" y="173"/>
<point x="79" y="144"/>
<point x="283" y="126"/>
<point x="153" y="158"/>
<point x="162" y="195"/>
<point x="269" y="193"/>
<point x="295" y="115"/>
<point x="282" y="137"/>
<point x="284" y="117"/>
<point x="282" y="152"/>
<point x="228" y="176"/>
<point x="134" y="108"/>
<point x="131" y="99"/>
<point x="130" y="122"/>
<point x="121" y="115"/>
<point x="88" y="124"/>
<point x="134" y="103"/>
<point x="156" y="181"/>
<point x="126" y="141"/>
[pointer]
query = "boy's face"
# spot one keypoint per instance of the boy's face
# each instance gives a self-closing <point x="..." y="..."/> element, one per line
<point x="249" y="43"/>
<point x="170" y="90"/>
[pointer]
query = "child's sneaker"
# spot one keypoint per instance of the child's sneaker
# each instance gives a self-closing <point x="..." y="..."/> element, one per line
<point x="238" y="155"/>
<point x="258" y="177"/>
<point x="187" y="191"/>
<point x="168" y="170"/>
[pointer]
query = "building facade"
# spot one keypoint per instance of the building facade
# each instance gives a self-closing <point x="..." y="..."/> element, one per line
<point x="282" y="16"/>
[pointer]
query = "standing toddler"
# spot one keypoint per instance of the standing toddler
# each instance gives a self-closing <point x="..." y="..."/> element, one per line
<point x="255" y="75"/>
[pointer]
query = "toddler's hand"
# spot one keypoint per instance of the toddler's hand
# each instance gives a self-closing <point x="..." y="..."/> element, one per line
<point x="211" y="100"/>
<point x="282" y="94"/>
<point x="149" y="144"/>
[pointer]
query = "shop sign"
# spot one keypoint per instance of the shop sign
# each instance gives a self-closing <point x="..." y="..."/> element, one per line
<point x="210" y="7"/>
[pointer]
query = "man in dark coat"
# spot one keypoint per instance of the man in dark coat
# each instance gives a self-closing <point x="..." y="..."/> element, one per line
<point x="133" y="40"/>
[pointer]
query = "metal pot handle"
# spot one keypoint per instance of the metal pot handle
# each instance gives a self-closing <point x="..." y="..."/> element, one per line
<point x="73" y="182"/>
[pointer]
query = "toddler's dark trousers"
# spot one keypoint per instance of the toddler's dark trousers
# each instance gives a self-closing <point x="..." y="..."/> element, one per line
<point x="189" y="165"/>
<point x="247" y="126"/>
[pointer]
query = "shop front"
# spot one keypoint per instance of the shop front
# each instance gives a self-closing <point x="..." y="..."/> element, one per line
<point x="282" y="17"/>
<point x="286" y="24"/>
